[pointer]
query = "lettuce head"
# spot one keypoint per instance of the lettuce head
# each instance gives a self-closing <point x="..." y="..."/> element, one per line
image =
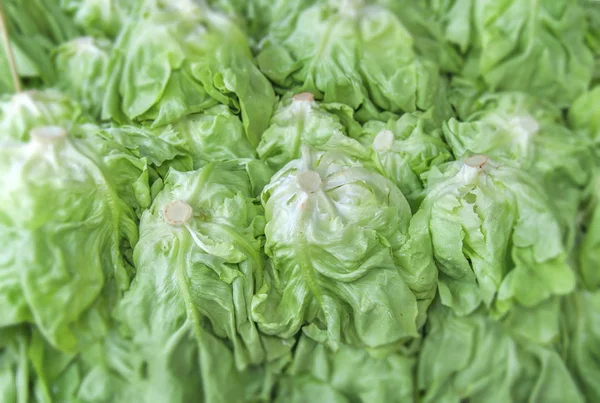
<point x="66" y="222"/>
<point x="343" y="265"/>
<point x="353" y="52"/>
<point x="495" y="238"/>
<point x="187" y="312"/>
<point x="179" y="58"/>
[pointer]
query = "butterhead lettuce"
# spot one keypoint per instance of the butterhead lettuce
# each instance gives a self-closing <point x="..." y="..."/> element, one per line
<point x="63" y="262"/>
<point x="495" y="238"/>
<point x="181" y="58"/>
<point x="198" y="258"/>
<point x="352" y="52"/>
<point x="341" y="261"/>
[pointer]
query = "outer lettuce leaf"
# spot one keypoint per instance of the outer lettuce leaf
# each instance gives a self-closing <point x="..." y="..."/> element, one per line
<point x="407" y="147"/>
<point x="589" y="246"/>
<point x="82" y="71"/>
<point x="515" y="45"/>
<point x="24" y="111"/>
<point x="300" y="121"/>
<point x="429" y="34"/>
<point x="189" y="143"/>
<point x="495" y="238"/>
<point x="342" y="262"/>
<point x="67" y="218"/>
<point x="528" y="133"/>
<point x="477" y="359"/>
<point x="196" y="273"/>
<point x="348" y="375"/>
<point x="14" y="369"/>
<point x="583" y="114"/>
<point x="582" y="340"/>
<point x="254" y="15"/>
<point x="181" y="59"/>
<point x="349" y="52"/>
<point x="592" y="11"/>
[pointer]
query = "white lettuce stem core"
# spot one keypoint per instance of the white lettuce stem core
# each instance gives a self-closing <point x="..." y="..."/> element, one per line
<point x="302" y="103"/>
<point x="47" y="134"/>
<point x="477" y="161"/>
<point x="177" y="212"/>
<point x="309" y="181"/>
<point x="472" y="168"/>
<point x="383" y="141"/>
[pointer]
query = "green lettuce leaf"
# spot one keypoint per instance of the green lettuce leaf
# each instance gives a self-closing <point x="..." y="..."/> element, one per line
<point x="101" y="17"/>
<point x="589" y="246"/>
<point x="190" y="142"/>
<point x="342" y="260"/>
<point x="20" y="113"/>
<point x="67" y="218"/>
<point x="350" y="52"/>
<point x="300" y="121"/>
<point x="14" y="368"/>
<point x="515" y="45"/>
<point x="347" y="375"/>
<point x="477" y="359"/>
<point x="82" y="71"/>
<point x="582" y="340"/>
<point x="429" y="35"/>
<point x="495" y="238"/>
<point x="592" y="11"/>
<point x="583" y="114"/>
<point x="179" y="59"/>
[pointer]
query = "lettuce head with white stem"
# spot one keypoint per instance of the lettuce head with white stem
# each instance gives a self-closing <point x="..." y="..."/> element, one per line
<point x="528" y="133"/>
<point x="66" y="225"/>
<point x="343" y="265"/>
<point x="494" y="235"/>
<point x="198" y="258"/>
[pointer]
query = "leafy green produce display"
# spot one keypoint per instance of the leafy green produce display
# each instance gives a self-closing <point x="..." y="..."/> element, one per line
<point x="338" y="201"/>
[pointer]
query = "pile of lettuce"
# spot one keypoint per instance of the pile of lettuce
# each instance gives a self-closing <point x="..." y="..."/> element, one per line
<point x="299" y="201"/>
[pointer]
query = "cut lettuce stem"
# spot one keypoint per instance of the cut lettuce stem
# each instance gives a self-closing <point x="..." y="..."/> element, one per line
<point x="9" y="53"/>
<point x="302" y="103"/>
<point x="177" y="213"/>
<point x="477" y="161"/>
<point x="309" y="181"/>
